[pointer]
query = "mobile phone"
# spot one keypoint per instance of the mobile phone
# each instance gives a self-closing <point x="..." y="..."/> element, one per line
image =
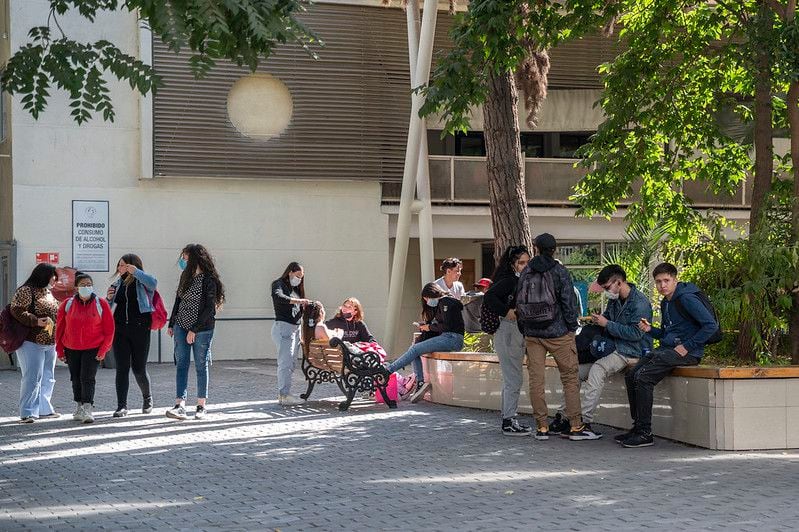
<point x="585" y="319"/>
<point x="416" y="324"/>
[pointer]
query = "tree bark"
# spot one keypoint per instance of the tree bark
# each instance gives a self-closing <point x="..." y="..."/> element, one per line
<point x="764" y="131"/>
<point x="506" y="189"/>
<point x="792" y="102"/>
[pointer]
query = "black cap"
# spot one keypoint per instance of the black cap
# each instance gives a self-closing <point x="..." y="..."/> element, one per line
<point x="545" y="241"/>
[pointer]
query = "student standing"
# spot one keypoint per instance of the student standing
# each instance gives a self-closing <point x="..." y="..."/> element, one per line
<point x="288" y="298"/>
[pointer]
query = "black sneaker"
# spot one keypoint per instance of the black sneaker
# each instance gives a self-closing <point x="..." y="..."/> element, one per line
<point x="618" y="438"/>
<point x="639" y="439"/>
<point x="121" y="412"/>
<point x="584" y="433"/>
<point x="559" y="425"/>
<point x="512" y="427"/>
<point x="542" y="434"/>
<point x="421" y="389"/>
<point x="147" y="405"/>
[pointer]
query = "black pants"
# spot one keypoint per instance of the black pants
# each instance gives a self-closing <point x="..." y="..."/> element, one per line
<point x="82" y="371"/>
<point x="131" y="349"/>
<point x="641" y="381"/>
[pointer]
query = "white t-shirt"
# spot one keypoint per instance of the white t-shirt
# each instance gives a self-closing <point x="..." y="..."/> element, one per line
<point x="457" y="291"/>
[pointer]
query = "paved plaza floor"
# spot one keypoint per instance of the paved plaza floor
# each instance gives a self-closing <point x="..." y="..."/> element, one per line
<point x="254" y="465"/>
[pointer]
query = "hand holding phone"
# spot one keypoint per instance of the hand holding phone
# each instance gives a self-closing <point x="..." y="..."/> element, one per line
<point x="644" y="325"/>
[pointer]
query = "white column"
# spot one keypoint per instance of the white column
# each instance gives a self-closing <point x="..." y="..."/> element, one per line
<point x="415" y="129"/>
<point x="426" y="254"/>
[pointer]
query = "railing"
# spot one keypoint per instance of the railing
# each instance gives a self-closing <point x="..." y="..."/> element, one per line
<point x="464" y="180"/>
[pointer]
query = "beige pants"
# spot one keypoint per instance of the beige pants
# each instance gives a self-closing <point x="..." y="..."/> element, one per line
<point x="564" y="351"/>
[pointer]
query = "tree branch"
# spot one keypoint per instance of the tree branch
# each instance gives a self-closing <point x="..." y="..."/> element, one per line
<point x="777" y="7"/>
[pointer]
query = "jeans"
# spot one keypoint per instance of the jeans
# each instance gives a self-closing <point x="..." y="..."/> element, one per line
<point x="83" y="366"/>
<point x="595" y="375"/>
<point x="509" y="345"/>
<point x="131" y="349"/>
<point x="37" y="365"/>
<point x="202" y="360"/>
<point x="447" y="341"/>
<point x="564" y="351"/>
<point x="641" y="381"/>
<point x="287" y="340"/>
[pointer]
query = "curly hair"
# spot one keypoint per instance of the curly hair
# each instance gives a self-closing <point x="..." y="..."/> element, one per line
<point x="199" y="257"/>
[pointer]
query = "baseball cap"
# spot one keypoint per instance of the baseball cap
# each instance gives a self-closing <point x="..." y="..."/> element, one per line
<point x="484" y="282"/>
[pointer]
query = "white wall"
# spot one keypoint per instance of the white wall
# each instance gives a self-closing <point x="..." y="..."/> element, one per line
<point x="253" y="228"/>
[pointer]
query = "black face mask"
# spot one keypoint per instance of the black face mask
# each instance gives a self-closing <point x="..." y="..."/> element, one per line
<point x="346" y="315"/>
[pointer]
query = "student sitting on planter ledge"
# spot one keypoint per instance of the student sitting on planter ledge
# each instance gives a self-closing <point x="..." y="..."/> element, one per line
<point x="688" y="324"/>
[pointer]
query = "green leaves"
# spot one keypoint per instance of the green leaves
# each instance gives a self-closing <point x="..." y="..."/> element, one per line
<point x="242" y="31"/>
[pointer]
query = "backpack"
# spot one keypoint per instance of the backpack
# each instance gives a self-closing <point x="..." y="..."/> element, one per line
<point x="717" y="335"/>
<point x="13" y="332"/>
<point x="536" y="303"/>
<point x="96" y="302"/>
<point x="159" y="316"/>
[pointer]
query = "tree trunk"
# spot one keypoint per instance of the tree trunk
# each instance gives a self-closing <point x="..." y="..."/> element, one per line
<point x="764" y="143"/>
<point x="792" y="102"/>
<point x="506" y="190"/>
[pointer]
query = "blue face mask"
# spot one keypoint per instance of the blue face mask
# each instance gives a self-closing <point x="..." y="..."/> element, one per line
<point x="85" y="291"/>
<point x="432" y="302"/>
<point x="182" y="263"/>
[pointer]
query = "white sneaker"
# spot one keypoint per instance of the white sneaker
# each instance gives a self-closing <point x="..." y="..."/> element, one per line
<point x="290" y="400"/>
<point x="177" y="412"/>
<point x="78" y="415"/>
<point x="87" y="413"/>
<point x="200" y="412"/>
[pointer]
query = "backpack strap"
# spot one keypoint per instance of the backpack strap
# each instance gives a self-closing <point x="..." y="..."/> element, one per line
<point x="96" y="302"/>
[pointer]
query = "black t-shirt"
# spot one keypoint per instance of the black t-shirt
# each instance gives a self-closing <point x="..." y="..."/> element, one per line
<point x="354" y="331"/>
<point x="127" y="309"/>
<point x="449" y="317"/>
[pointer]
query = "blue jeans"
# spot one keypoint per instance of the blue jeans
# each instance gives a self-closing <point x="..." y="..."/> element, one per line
<point x="447" y="341"/>
<point x="202" y="359"/>
<point x="287" y="340"/>
<point x="37" y="364"/>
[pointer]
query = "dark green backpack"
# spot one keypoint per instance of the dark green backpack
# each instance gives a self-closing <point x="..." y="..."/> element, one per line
<point x="717" y="335"/>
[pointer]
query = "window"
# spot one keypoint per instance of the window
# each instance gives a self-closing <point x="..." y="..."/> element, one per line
<point x="569" y="143"/>
<point x="470" y="144"/>
<point x="532" y="144"/>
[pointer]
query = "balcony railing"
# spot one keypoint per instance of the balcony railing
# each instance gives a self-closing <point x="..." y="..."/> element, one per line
<point x="464" y="180"/>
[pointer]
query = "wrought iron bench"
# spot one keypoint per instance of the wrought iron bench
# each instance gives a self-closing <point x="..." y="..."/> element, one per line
<point x="352" y="369"/>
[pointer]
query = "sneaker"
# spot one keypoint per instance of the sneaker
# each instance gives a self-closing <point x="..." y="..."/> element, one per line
<point x="78" y="415"/>
<point x="147" y="407"/>
<point x="200" y="412"/>
<point x="512" y="427"/>
<point x="639" y="439"/>
<point x="559" y="425"/>
<point x="121" y="412"/>
<point x="177" y="412"/>
<point x="618" y="438"/>
<point x="51" y="415"/>
<point x="421" y="389"/>
<point x="542" y="433"/>
<point x="289" y="400"/>
<point x="410" y="384"/>
<point x="87" y="413"/>
<point x="584" y="433"/>
<point x="27" y="419"/>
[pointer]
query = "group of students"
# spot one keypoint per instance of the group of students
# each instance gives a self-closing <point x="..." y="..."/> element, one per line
<point x="532" y="297"/>
<point x="83" y="328"/>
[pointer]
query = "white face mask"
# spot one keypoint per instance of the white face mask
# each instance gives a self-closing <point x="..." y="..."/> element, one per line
<point x="85" y="291"/>
<point x="295" y="281"/>
<point x="611" y="295"/>
<point x="518" y="274"/>
<point x="432" y="302"/>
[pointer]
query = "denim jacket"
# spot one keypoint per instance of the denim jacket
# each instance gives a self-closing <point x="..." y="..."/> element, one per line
<point x="623" y="318"/>
<point x="145" y="286"/>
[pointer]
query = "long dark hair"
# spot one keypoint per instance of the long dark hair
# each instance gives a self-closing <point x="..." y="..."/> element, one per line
<point x="507" y="260"/>
<point x="291" y="268"/>
<point x="310" y="319"/>
<point x="430" y="290"/>
<point x="129" y="258"/>
<point x="40" y="276"/>
<point x="200" y="258"/>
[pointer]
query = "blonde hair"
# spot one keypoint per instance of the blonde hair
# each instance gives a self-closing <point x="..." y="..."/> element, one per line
<point x="359" y="316"/>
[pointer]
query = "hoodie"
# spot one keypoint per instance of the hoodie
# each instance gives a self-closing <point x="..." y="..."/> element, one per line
<point x="501" y="295"/>
<point x="676" y="329"/>
<point x="567" y="309"/>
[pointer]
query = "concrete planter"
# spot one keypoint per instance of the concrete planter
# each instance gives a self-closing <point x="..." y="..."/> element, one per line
<point x="716" y="408"/>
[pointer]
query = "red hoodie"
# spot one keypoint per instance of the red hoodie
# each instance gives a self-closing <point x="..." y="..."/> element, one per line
<point x="82" y="328"/>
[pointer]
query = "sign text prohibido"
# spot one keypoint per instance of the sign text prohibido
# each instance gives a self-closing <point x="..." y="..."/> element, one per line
<point x="90" y="236"/>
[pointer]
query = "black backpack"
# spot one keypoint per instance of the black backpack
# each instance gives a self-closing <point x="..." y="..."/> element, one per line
<point x="536" y="302"/>
<point x="717" y="335"/>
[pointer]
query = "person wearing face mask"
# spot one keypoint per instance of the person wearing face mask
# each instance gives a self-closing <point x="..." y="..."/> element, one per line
<point x="34" y="305"/>
<point x="200" y="293"/>
<point x="132" y="293"/>
<point x="508" y="340"/>
<point x="288" y="298"/>
<point x="442" y="330"/>
<point x="622" y="338"/>
<point x="349" y="320"/>
<point x="84" y="334"/>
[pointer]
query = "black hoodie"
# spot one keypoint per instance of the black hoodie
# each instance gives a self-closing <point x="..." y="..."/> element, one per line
<point x="567" y="310"/>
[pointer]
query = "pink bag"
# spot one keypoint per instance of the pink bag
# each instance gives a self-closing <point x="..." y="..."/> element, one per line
<point x="391" y="390"/>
